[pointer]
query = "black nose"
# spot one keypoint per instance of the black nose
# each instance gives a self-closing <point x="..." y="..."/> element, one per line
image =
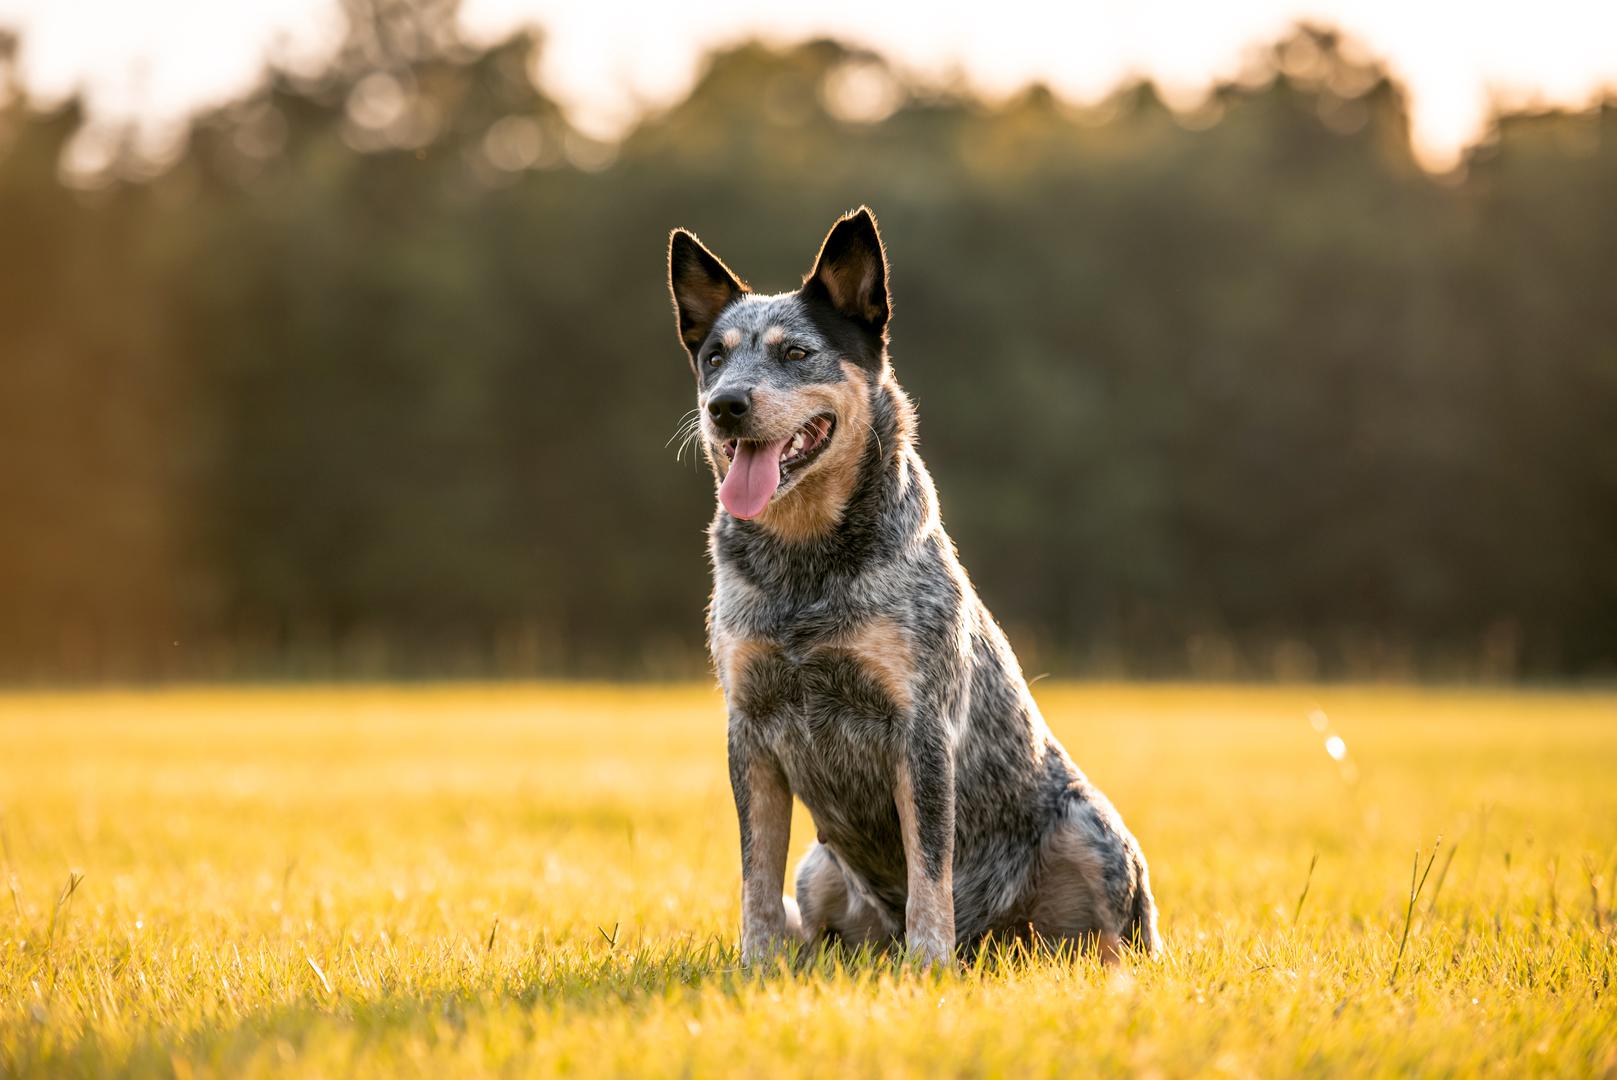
<point x="727" y="407"/>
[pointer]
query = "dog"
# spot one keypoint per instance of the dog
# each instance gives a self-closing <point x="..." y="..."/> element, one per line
<point x="861" y="673"/>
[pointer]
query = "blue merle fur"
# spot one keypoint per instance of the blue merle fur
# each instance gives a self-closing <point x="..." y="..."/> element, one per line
<point x="984" y="769"/>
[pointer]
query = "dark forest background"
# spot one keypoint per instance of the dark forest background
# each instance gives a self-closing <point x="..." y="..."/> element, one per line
<point x="377" y="378"/>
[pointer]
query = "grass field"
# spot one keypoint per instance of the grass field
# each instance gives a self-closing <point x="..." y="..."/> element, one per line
<point x="542" y="880"/>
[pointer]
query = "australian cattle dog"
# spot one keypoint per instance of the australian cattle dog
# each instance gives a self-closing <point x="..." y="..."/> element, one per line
<point x="861" y="672"/>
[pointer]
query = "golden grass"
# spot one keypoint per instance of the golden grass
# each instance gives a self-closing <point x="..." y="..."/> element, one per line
<point x="542" y="880"/>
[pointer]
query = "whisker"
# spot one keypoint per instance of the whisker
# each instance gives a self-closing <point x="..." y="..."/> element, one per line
<point x="685" y="422"/>
<point x="683" y="433"/>
<point x="689" y="435"/>
<point x="880" y="449"/>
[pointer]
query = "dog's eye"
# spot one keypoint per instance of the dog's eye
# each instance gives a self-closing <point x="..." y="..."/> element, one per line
<point x="715" y="359"/>
<point x="796" y="352"/>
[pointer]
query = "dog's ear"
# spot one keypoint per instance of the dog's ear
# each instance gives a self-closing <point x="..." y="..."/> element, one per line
<point x="702" y="287"/>
<point x="851" y="272"/>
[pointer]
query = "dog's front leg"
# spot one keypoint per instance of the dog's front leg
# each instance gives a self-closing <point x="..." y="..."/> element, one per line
<point x="925" y="796"/>
<point x="764" y="808"/>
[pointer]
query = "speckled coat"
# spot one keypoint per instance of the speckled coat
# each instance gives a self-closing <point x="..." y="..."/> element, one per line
<point x="861" y="672"/>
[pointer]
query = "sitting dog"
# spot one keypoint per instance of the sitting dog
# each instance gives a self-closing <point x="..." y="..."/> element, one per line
<point x="861" y="672"/>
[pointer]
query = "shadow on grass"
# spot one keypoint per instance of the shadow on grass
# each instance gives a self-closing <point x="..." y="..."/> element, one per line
<point x="442" y="1007"/>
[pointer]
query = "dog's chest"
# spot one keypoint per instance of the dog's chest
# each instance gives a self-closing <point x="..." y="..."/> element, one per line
<point x="837" y="739"/>
<point x="826" y="697"/>
<point x="831" y="709"/>
<point x="839" y="662"/>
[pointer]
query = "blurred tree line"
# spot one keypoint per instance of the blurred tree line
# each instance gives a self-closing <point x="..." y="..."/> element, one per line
<point x="376" y="378"/>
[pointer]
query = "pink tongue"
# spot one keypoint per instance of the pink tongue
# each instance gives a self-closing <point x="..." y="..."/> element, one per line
<point x="753" y="477"/>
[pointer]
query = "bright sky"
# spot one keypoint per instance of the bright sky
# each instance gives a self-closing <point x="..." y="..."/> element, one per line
<point x="158" y="59"/>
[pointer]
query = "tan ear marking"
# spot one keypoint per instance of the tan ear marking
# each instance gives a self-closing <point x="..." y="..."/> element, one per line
<point x="852" y="267"/>
<point x="701" y="286"/>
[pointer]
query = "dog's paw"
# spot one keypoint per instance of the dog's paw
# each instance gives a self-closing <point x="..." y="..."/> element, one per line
<point x="765" y="949"/>
<point x="765" y="939"/>
<point x="931" y="951"/>
<point x="789" y="942"/>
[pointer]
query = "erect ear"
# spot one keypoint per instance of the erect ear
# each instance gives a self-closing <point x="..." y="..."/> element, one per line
<point x="702" y="286"/>
<point x="851" y="271"/>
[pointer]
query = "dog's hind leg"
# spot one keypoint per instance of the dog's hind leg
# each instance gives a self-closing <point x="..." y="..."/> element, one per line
<point x="794" y="918"/>
<point x="834" y="906"/>
<point x="1093" y="887"/>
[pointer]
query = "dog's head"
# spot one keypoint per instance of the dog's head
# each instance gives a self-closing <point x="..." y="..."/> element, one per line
<point x="783" y="382"/>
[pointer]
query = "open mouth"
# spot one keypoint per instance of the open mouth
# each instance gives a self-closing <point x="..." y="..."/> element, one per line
<point x="758" y="468"/>
<point x="800" y="449"/>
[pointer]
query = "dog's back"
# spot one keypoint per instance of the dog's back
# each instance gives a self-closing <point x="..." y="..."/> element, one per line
<point x="861" y="672"/>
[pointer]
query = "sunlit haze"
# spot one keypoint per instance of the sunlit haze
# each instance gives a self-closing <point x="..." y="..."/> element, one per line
<point x="158" y="60"/>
